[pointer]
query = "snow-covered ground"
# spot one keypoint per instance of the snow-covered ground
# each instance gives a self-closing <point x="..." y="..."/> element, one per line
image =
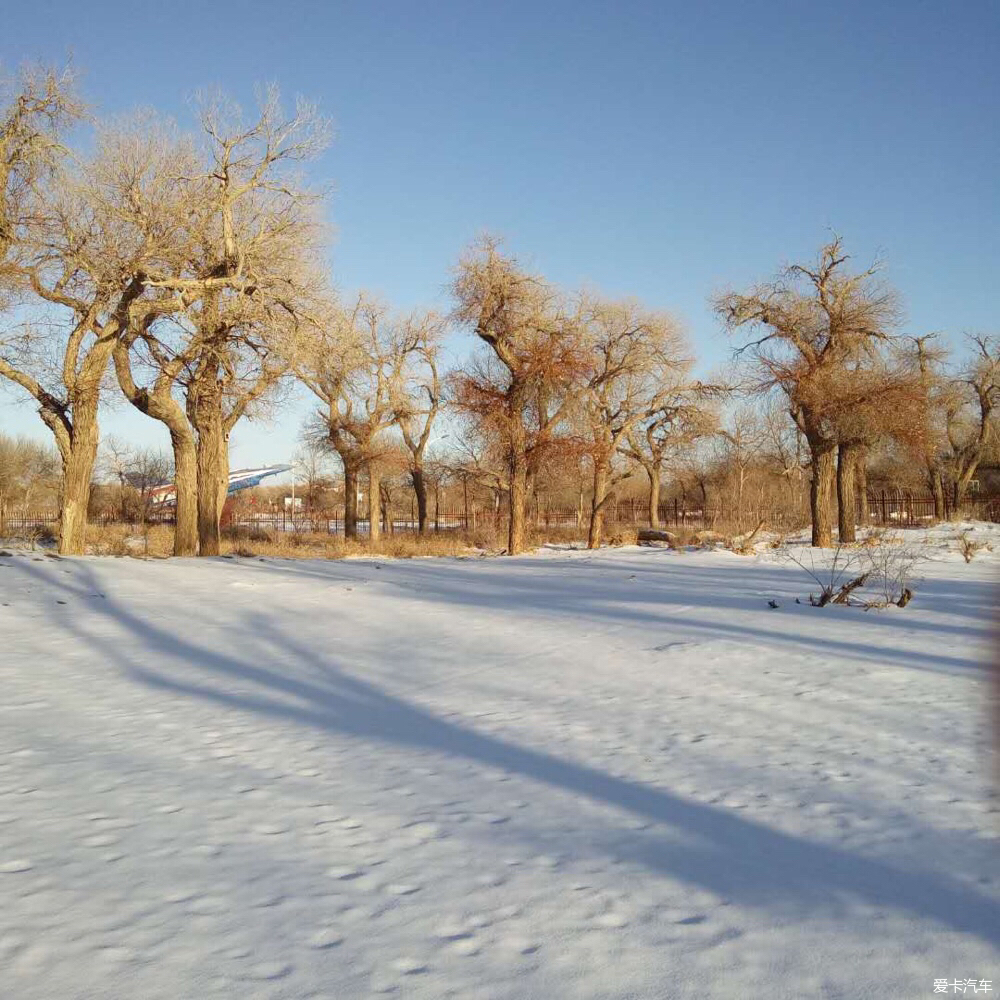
<point x="568" y="775"/>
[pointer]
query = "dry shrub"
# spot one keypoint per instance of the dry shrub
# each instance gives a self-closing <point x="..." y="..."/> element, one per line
<point x="557" y="534"/>
<point x="743" y="545"/>
<point x="623" y="534"/>
<point x="34" y="535"/>
<point x="320" y="545"/>
<point x="969" y="547"/>
<point x="885" y="564"/>
<point x="109" y="540"/>
<point x="156" y="541"/>
<point x="486" y="537"/>
<point x="684" y="535"/>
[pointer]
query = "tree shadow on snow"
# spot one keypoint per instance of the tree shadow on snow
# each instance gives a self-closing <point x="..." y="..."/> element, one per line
<point x="666" y="592"/>
<point x="734" y="857"/>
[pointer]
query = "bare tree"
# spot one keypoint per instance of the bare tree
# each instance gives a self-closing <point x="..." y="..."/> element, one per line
<point x="35" y="110"/>
<point x="969" y="413"/>
<point x="65" y="251"/>
<point x="137" y="471"/>
<point x="742" y="442"/>
<point x="311" y="471"/>
<point x="29" y="472"/>
<point x="417" y="396"/>
<point x="680" y="421"/>
<point x="876" y="400"/>
<point x="347" y="363"/>
<point x="926" y="359"/>
<point x="817" y="321"/>
<point x="248" y="277"/>
<point x="519" y="391"/>
<point x="637" y="363"/>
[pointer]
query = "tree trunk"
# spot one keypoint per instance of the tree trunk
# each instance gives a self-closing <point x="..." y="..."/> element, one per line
<point x="186" y="493"/>
<point x="388" y="522"/>
<point x="78" y="469"/>
<point x="821" y="494"/>
<point x="597" y="503"/>
<point x="861" y="486"/>
<point x="937" y="489"/>
<point x="350" y="498"/>
<point x="213" y="483"/>
<point x="518" y="497"/>
<point x="653" y="472"/>
<point x="962" y="483"/>
<point x="847" y="463"/>
<point x="420" y="491"/>
<point x="374" y="492"/>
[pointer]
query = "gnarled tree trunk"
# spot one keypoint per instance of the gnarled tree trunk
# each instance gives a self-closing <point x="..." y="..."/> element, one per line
<point x="653" y="472"/>
<point x="374" y="496"/>
<point x="821" y="493"/>
<point x="517" y="499"/>
<point x="861" y="486"/>
<point x="186" y="491"/>
<point x="847" y="462"/>
<point x="78" y="469"/>
<point x="350" y="497"/>
<point x="597" y="503"/>
<point x="420" y="492"/>
<point x="937" y="489"/>
<point x="212" y="455"/>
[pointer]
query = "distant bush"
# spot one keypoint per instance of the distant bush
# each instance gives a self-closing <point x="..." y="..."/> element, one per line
<point x="969" y="547"/>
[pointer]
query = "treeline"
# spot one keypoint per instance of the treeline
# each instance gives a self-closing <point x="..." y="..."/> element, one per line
<point x="187" y="270"/>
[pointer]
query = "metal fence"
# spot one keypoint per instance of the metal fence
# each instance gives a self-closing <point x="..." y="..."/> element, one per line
<point x="888" y="507"/>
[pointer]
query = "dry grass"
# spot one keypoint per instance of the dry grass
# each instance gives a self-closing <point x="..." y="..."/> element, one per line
<point x="155" y="541"/>
<point x="314" y="545"/>
<point x="623" y="534"/>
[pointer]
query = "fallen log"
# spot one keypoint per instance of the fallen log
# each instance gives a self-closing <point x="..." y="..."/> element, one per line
<point x="653" y="535"/>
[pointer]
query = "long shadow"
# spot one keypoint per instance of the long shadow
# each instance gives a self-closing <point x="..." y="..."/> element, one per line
<point x="736" y="858"/>
<point x="534" y="585"/>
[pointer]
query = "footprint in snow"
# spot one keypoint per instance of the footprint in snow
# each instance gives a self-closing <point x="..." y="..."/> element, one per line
<point x="15" y="866"/>
<point x="265" y="971"/>
<point x="325" y="937"/>
<point x="270" y="829"/>
<point x="452" y="932"/>
<point x="408" y="966"/>
<point x="345" y="874"/>
<point x="401" y="889"/>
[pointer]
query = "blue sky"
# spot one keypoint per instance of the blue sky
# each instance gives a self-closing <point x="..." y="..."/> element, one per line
<point x="652" y="149"/>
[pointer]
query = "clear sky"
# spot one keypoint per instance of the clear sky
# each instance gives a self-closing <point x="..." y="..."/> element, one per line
<point x="662" y="150"/>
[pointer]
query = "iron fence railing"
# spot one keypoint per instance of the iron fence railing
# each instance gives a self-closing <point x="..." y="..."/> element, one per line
<point x="884" y="507"/>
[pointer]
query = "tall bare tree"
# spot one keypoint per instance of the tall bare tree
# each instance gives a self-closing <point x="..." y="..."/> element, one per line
<point x="347" y="363"/>
<point x="81" y="272"/>
<point x="249" y="275"/>
<point x="519" y="391"/>
<point x="681" y="420"/>
<point x="926" y="360"/>
<point x="970" y="405"/>
<point x="29" y="472"/>
<point x="637" y="362"/>
<point x="879" y="399"/>
<point x="817" y="320"/>
<point x="417" y="394"/>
